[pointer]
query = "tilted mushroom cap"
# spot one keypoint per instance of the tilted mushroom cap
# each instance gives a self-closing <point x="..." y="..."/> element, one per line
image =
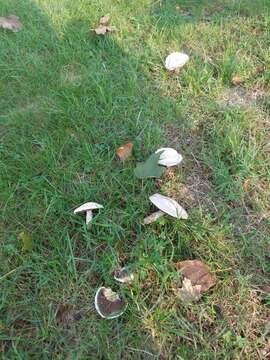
<point x="87" y="206"/>
<point x="168" y="206"/>
<point x="176" y="60"/>
<point x="169" y="157"/>
<point x="123" y="275"/>
<point x="108" y="303"/>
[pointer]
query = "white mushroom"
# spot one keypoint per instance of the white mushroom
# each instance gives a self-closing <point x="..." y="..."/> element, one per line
<point x="168" y="206"/>
<point x="176" y="60"/>
<point x="88" y="208"/>
<point x="153" y="217"/>
<point x="108" y="304"/>
<point x="123" y="275"/>
<point x="169" y="157"/>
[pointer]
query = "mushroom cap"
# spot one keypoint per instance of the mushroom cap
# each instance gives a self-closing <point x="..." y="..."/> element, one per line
<point x="168" y="206"/>
<point x="108" y="304"/>
<point x="169" y="157"/>
<point x="123" y="275"/>
<point x="87" y="206"/>
<point x="176" y="60"/>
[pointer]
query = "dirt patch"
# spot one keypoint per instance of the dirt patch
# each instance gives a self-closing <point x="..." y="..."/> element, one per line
<point x="192" y="192"/>
<point x="67" y="315"/>
<point x="239" y="96"/>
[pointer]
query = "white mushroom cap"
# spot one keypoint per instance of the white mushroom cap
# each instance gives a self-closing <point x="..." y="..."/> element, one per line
<point x="168" y="206"/>
<point x="169" y="157"/>
<point x="87" y="206"/>
<point x="176" y="60"/>
<point x="123" y="275"/>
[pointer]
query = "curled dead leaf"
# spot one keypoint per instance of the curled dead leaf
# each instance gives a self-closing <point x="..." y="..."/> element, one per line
<point x="188" y="292"/>
<point x="237" y="80"/>
<point x="11" y="23"/>
<point x="198" y="273"/>
<point x="104" y="20"/>
<point x="124" y="151"/>
<point x="102" y="30"/>
<point x="259" y="70"/>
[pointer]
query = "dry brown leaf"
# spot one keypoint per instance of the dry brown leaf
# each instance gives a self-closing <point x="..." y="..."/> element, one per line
<point x="237" y="80"/>
<point x="188" y="292"/>
<point x="124" y="151"/>
<point x="198" y="273"/>
<point x="104" y="20"/>
<point x="102" y="30"/>
<point x="11" y="23"/>
<point x="259" y="70"/>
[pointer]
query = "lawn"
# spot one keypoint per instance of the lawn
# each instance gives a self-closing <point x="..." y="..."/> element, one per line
<point x="69" y="99"/>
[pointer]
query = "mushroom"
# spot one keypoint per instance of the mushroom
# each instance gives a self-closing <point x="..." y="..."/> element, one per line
<point x="123" y="275"/>
<point x="176" y="60"/>
<point x="166" y="205"/>
<point x="169" y="157"/>
<point x="88" y="208"/>
<point x="108" y="304"/>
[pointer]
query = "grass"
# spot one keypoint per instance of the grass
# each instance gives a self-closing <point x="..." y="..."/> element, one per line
<point x="68" y="100"/>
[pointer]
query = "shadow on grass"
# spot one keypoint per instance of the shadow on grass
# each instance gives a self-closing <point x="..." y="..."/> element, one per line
<point x="79" y="96"/>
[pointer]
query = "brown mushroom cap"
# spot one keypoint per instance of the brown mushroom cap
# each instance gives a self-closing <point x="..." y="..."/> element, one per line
<point x="108" y="303"/>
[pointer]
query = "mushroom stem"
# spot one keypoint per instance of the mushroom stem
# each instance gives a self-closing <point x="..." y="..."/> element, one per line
<point x="89" y="216"/>
<point x="153" y="217"/>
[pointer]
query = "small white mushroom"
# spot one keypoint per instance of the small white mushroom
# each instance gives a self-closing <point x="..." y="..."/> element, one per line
<point x="108" y="304"/>
<point x="123" y="275"/>
<point x="176" y="60"/>
<point x="88" y="208"/>
<point x="168" y="206"/>
<point x="169" y="157"/>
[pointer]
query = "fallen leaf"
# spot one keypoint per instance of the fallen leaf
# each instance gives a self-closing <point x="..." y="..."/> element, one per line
<point x="259" y="70"/>
<point x="124" y="151"/>
<point x="149" y="168"/>
<point x="108" y="303"/>
<point x="153" y="217"/>
<point x="27" y="241"/>
<point x="198" y="273"/>
<point x="66" y="315"/>
<point x="102" y="30"/>
<point x="10" y="23"/>
<point x="188" y="292"/>
<point x="237" y="80"/>
<point x="104" y="20"/>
